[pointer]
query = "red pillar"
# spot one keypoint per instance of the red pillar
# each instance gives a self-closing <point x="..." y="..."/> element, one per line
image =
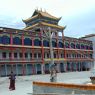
<point x="33" y="69"/>
<point x="64" y="49"/>
<point x="42" y="47"/>
<point x="57" y="51"/>
<point x="12" y="54"/>
<point x="23" y="57"/>
<point x="57" y="46"/>
<point x="11" y="39"/>
<point x="22" y="39"/>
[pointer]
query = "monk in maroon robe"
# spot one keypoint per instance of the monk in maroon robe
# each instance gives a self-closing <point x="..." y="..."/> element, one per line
<point x="12" y="81"/>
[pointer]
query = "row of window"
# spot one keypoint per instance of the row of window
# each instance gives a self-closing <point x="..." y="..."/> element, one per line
<point x="21" y="55"/>
<point x="37" y="42"/>
<point x="79" y="56"/>
<point x="46" y="55"/>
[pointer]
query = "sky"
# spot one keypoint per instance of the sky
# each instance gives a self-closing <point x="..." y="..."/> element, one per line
<point x="77" y="15"/>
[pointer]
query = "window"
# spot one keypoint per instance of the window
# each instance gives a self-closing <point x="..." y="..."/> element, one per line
<point x="47" y="55"/>
<point x="17" y="41"/>
<point x="35" y="55"/>
<point x="72" y="45"/>
<point x="4" y="54"/>
<point x="10" y="54"/>
<point x="39" y="55"/>
<point x="78" y="46"/>
<point x="54" y="55"/>
<point x="67" y="55"/>
<point x="5" y="40"/>
<point x="82" y="46"/>
<point x="15" y="55"/>
<point x="62" y="55"/>
<point x="45" y="43"/>
<point x="37" y="42"/>
<point x="20" y="55"/>
<point x="26" y="55"/>
<point x="30" y="55"/>
<point x="66" y="44"/>
<point x="60" y="44"/>
<point x="54" y="44"/>
<point x="91" y="56"/>
<point x="27" y="41"/>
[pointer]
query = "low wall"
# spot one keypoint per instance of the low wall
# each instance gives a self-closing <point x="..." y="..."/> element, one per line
<point x="47" y="88"/>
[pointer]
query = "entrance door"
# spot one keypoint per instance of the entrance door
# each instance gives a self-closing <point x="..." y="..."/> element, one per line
<point x="38" y="68"/>
<point x="61" y="67"/>
<point x="47" y="69"/>
<point x="2" y="71"/>
<point x="29" y="69"/>
<point x="9" y="69"/>
<point x="20" y="69"/>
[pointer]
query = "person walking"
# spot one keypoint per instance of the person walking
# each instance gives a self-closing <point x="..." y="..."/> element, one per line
<point x="12" y="81"/>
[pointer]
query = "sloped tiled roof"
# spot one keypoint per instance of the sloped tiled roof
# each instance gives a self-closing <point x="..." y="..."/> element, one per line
<point x="29" y="19"/>
<point x="87" y="36"/>
<point x="44" y="14"/>
<point x="46" y="24"/>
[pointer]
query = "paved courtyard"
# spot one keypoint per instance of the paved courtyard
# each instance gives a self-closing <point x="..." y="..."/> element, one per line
<point x="24" y="83"/>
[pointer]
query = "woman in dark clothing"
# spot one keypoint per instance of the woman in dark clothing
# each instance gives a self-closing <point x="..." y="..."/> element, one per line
<point x="12" y="81"/>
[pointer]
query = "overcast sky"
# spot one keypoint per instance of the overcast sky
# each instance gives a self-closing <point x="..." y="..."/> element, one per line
<point x="77" y="15"/>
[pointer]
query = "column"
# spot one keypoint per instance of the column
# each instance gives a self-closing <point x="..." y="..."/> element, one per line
<point x="76" y="66"/>
<point x="16" y="69"/>
<point x="11" y="39"/>
<point x="32" y="61"/>
<point x="11" y="49"/>
<point x="22" y="39"/>
<point x="64" y="51"/>
<point x="42" y="50"/>
<point x="6" y="69"/>
<point x="23" y="58"/>
<point x="58" y="52"/>
<point x="81" y="66"/>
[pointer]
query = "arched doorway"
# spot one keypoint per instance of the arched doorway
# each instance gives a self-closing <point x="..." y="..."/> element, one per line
<point x="37" y="42"/>
<point x="46" y="43"/>
<point x="27" y="41"/>
<point x="17" y="41"/>
<point x="5" y="40"/>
